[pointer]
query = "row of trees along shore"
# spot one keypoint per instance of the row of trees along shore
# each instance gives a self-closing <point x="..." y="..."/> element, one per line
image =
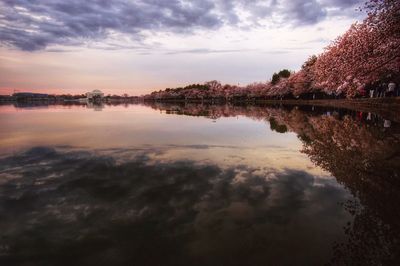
<point x="364" y="57"/>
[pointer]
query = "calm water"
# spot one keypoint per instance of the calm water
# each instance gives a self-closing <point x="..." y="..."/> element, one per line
<point x="198" y="185"/>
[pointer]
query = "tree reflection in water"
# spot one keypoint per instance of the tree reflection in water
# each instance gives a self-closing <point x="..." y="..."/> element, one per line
<point x="61" y="206"/>
<point x="365" y="159"/>
<point x="361" y="150"/>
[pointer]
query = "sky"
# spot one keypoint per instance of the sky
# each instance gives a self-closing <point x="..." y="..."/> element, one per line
<point x="138" y="46"/>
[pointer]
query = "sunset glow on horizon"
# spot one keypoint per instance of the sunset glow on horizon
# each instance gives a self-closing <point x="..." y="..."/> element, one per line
<point x="136" y="47"/>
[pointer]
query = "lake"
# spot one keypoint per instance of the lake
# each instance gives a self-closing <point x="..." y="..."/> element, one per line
<point x="192" y="184"/>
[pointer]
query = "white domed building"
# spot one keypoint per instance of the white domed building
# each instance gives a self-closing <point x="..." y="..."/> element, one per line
<point x="95" y="95"/>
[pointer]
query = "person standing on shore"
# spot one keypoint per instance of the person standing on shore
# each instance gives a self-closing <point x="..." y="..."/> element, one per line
<point x="379" y="91"/>
<point x="395" y="88"/>
<point x="371" y="92"/>
<point x="387" y="123"/>
<point x="391" y="89"/>
<point x="398" y="91"/>
<point x="384" y="90"/>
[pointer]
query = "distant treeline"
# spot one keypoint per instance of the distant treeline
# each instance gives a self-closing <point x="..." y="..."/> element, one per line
<point x="366" y="56"/>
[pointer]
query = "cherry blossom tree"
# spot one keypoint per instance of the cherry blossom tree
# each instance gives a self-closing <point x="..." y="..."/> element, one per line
<point x="303" y="81"/>
<point x="365" y="53"/>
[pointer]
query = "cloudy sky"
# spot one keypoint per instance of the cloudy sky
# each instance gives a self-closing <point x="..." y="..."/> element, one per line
<point x="137" y="46"/>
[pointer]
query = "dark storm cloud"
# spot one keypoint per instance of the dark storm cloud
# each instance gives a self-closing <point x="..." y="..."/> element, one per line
<point x="342" y="3"/>
<point x="305" y="12"/>
<point x="33" y="25"/>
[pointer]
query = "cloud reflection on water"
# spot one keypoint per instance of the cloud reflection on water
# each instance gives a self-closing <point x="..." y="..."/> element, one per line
<point x="84" y="207"/>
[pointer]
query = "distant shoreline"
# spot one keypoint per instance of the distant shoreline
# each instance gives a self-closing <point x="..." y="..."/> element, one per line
<point x="381" y="106"/>
<point x="382" y="102"/>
